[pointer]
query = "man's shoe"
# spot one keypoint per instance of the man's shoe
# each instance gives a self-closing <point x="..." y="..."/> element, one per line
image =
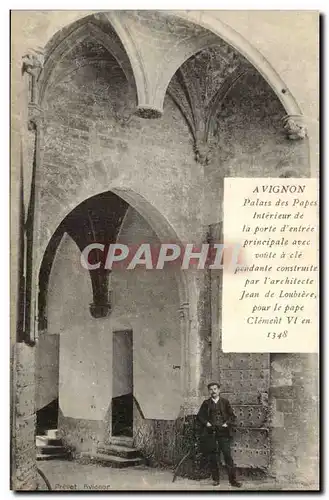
<point x="235" y="483"/>
<point x="215" y="483"/>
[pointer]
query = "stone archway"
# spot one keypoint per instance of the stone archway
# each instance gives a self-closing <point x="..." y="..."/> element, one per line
<point x="164" y="232"/>
<point x="152" y="216"/>
<point x="223" y="31"/>
<point x="157" y="223"/>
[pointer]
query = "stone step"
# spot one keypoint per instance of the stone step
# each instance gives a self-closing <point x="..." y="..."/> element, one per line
<point x="122" y="441"/>
<point x="50" y="450"/>
<point x="45" y="440"/>
<point x="119" y="451"/>
<point x="62" y="456"/>
<point x="50" y="446"/>
<point x="113" y="461"/>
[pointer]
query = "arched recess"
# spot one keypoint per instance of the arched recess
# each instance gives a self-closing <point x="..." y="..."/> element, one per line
<point x="58" y="43"/>
<point x="60" y="46"/>
<point x="152" y="216"/>
<point x="253" y="55"/>
<point x="175" y="58"/>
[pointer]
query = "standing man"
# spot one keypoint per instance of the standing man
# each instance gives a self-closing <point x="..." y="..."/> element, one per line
<point x="217" y="418"/>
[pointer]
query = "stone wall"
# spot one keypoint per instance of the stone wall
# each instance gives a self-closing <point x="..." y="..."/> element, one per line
<point x="23" y="419"/>
<point x="46" y="370"/>
<point x="248" y="140"/>
<point x="158" y="439"/>
<point x="80" y="434"/>
<point x="85" y="344"/>
<point x="294" y="401"/>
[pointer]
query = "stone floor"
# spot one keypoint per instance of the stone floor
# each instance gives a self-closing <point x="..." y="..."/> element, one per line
<point x="74" y="476"/>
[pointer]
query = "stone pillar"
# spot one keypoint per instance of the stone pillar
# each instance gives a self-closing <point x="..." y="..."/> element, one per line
<point x="192" y="361"/>
<point x="216" y="279"/>
<point x="294" y="402"/>
<point x="23" y="416"/>
<point x="314" y="147"/>
<point x="32" y="65"/>
<point x="36" y="127"/>
<point x="196" y="355"/>
<point x="194" y="341"/>
<point x="197" y="340"/>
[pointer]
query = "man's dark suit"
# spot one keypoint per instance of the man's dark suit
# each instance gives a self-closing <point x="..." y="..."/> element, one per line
<point x="217" y="439"/>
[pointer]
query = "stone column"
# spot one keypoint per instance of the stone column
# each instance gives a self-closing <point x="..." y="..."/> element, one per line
<point x="196" y="342"/>
<point x="32" y="65"/>
<point x="313" y="135"/>
<point x="195" y="346"/>
<point x="216" y="281"/>
<point x="36" y="128"/>
<point x="23" y="417"/>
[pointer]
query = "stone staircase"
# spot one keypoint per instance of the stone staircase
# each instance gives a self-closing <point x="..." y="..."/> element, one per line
<point x="50" y="446"/>
<point x="119" y="453"/>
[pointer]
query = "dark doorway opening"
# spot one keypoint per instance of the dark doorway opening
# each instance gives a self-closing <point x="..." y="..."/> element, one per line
<point x="47" y="418"/>
<point x="122" y="415"/>
<point x="122" y="400"/>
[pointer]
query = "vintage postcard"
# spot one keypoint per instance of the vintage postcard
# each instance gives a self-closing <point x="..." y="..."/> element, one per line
<point x="164" y="250"/>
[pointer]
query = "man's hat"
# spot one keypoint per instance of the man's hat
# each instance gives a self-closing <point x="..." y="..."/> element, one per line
<point x="213" y="383"/>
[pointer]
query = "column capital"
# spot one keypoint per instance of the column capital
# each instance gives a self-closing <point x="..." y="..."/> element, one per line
<point x="203" y="152"/>
<point x="32" y="62"/>
<point x="100" y="310"/>
<point x="294" y="127"/>
<point x="101" y="307"/>
<point x="32" y="65"/>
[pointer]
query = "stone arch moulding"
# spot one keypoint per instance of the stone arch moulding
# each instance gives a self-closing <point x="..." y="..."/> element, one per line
<point x="152" y="79"/>
<point x="150" y="100"/>
<point x="233" y="38"/>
